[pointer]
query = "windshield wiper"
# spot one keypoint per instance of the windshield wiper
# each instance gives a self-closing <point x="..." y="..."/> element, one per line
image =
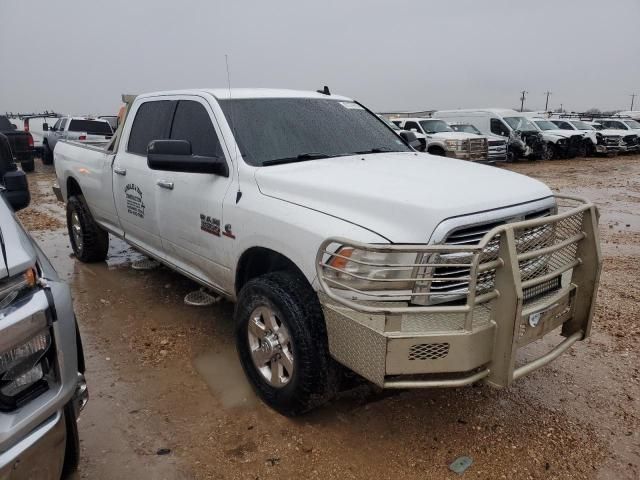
<point x="375" y="150"/>
<point x="299" y="158"/>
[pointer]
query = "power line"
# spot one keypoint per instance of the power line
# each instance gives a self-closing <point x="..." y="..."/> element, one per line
<point x="522" y="99"/>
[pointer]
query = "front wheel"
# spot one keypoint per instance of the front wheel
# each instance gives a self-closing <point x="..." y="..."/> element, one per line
<point x="89" y="241"/>
<point x="548" y="151"/>
<point x="282" y="343"/>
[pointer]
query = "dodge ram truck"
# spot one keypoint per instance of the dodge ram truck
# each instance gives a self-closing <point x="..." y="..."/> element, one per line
<point x="340" y="244"/>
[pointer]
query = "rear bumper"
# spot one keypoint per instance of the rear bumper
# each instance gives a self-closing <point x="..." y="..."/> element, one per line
<point x="39" y="455"/>
<point x="404" y="345"/>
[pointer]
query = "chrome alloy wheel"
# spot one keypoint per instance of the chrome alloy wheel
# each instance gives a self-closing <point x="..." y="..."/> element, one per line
<point x="76" y="230"/>
<point x="270" y="347"/>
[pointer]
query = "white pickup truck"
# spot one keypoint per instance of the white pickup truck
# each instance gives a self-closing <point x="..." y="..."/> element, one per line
<point x="85" y="129"/>
<point x="339" y="243"/>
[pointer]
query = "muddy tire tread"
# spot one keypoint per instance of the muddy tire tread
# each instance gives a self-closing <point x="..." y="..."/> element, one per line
<point x="95" y="239"/>
<point x="315" y="380"/>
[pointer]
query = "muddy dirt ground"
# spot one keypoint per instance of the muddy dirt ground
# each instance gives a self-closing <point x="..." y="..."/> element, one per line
<point x="169" y="400"/>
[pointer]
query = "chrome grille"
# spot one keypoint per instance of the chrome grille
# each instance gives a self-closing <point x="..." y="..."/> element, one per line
<point x="446" y="280"/>
<point x="477" y="149"/>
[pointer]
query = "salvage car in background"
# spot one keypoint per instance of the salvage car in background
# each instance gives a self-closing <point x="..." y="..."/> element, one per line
<point x="524" y="139"/>
<point x="444" y="141"/>
<point x="563" y="143"/>
<point x="42" y="386"/>
<point x="21" y="144"/>
<point x="630" y="127"/>
<point x="419" y="137"/>
<point x="498" y="151"/>
<point x="627" y="141"/>
<point x="595" y="142"/>
<point x="339" y="242"/>
<point x="85" y="129"/>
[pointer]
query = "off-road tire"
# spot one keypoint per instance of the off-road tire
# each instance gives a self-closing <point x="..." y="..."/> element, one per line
<point x="315" y="379"/>
<point x="72" y="444"/>
<point x="95" y="240"/>
<point x="548" y="152"/>
<point x="47" y="155"/>
<point x="28" y="165"/>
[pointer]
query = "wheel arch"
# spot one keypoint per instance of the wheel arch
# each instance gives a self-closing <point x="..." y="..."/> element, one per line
<point x="73" y="187"/>
<point x="256" y="261"/>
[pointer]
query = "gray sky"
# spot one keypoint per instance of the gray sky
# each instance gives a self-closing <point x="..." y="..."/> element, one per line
<point x="78" y="56"/>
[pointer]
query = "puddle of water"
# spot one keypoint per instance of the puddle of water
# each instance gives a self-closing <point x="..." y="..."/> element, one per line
<point x="225" y="378"/>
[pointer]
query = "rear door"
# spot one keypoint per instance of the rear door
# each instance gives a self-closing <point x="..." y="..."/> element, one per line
<point x="193" y="234"/>
<point x="134" y="187"/>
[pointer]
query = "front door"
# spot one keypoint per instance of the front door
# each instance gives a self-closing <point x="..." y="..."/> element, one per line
<point x="134" y="186"/>
<point x="193" y="233"/>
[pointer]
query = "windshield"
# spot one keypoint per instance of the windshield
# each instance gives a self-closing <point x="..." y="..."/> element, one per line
<point x="466" y="127"/>
<point x="633" y="123"/>
<point x="520" y="123"/>
<point x="90" y="127"/>
<point x="546" y="125"/>
<point x="435" y="126"/>
<point x="273" y="129"/>
<point x="614" y="124"/>
<point x="581" y="125"/>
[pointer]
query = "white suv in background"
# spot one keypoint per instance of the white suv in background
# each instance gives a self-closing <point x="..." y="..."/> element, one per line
<point x="595" y="141"/>
<point x="445" y="141"/>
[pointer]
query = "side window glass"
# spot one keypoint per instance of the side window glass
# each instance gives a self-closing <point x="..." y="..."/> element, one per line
<point x="63" y="123"/>
<point x="499" y="128"/>
<point x="192" y="122"/>
<point x="152" y="122"/>
<point x="412" y="126"/>
<point x="57" y="124"/>
<point x="564" y="126"/>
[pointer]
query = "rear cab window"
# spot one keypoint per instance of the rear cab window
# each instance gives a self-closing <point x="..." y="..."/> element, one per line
<point x="90" y="127"/>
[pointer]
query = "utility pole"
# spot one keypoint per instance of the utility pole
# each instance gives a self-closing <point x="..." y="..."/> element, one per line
<point x="561" y="109"/>
<point x="522" y="99"/>
<point x="633" y="97"/>
<point x="546" y="104"/>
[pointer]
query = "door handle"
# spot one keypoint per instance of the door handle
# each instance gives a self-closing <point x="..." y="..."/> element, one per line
<point x="120" y="171"/>
<point x="165" y="184"/>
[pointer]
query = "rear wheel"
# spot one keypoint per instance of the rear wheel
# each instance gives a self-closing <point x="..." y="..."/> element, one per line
<point x="282" y="343"/>
<point x="89" y="241"/>
<point x="47" y="154"/>
<point x="28" y="165"/>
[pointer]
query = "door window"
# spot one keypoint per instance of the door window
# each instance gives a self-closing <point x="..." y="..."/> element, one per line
<point x="56" y="126"/>
<point x="192" y="123"/>
<point x="63" y="124"/>
<point x="412" y="126"/>
<point x="152" y="122"/>
<point x="499" y="128"/>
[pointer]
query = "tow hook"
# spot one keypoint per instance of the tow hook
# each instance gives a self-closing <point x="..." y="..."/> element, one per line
<point x="81" y="395"/>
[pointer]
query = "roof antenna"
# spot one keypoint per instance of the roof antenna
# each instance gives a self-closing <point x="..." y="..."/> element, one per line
<point x="233" y="129"/>
<point x="324" y="91"/>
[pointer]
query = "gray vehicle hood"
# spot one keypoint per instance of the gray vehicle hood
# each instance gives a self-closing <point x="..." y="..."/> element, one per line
<point x="16" y="251"/>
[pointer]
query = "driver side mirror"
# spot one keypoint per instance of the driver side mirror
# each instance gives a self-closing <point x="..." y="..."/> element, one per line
<point x="16" y="190"/>
<point x="177" y="156"/>
<point x="411" y="139"/>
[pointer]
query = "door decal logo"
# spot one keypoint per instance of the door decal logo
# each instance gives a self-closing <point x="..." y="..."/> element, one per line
<point x="210" y="225"/>
<point x="135" y="205"/>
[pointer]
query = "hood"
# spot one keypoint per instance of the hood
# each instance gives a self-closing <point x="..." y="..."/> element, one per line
<point x="400" y="196"/>
<point x="16" y="251"/>
<point x="564" y="133"/>
<point x="454" y="135"/>
<point x="615" y="131"/>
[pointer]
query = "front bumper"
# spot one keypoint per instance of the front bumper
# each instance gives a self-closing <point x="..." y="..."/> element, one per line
<point x="397" y="344"/>
<point x="33" y="430"/>
<point x="38" y="455"/>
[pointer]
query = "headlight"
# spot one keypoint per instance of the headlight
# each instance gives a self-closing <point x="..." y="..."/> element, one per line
<point x="23" y="369"/>
<point x="12" y="287"/>
<point x="562" y="141"/>
<point x="456" y="144"/>
<point x="367" y="270"/>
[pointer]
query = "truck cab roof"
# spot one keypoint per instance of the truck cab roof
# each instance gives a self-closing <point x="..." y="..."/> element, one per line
<point x="242" y="93"/>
